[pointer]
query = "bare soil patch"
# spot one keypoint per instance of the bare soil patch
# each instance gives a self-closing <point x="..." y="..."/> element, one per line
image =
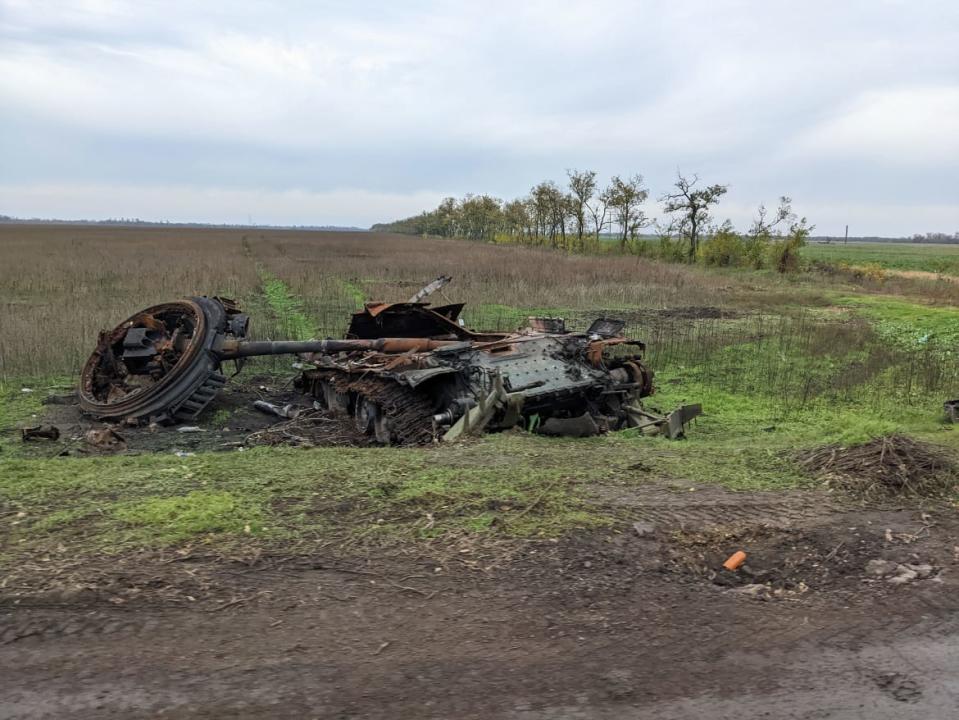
<point x="231" y="422"/>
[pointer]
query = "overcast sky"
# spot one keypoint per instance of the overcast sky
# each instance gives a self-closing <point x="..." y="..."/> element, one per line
<point x="356" y="112"/>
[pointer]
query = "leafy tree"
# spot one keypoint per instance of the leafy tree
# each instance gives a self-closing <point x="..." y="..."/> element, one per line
<point x="625" y="198"/>
<point x="550" y="209"/>
<point x="582" y="187"/>
<point x="690" y="207"/>
<point x="764" y="230"/>
<point x="516" y="219"/>
<point x="480" y="216"/>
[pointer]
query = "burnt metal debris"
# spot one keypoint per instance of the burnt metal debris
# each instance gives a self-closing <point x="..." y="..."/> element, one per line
<point x="406" y="373"/>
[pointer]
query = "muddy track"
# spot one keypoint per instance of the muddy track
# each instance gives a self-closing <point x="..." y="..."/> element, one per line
<point x="615" y="624"/>
<point x="680" y="508"/>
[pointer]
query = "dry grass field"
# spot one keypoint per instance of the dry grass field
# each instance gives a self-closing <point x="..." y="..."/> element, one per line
<point x="60" y="284"/>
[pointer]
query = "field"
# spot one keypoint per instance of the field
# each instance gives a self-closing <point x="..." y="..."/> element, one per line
<point x="926" y="258"/>
<point x="513" y="546"/>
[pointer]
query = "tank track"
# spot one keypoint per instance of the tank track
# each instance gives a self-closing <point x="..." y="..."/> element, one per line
<point x="409" y="412"/>
<point x="201" y="397"/>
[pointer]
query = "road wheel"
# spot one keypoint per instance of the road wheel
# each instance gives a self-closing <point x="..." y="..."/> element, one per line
<point x="365" y="413"/>
<point x="382" y="429"/>
<point x="336" y="402"/>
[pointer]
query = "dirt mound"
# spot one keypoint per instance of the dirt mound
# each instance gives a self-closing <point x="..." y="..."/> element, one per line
<point x="889" y="466"/>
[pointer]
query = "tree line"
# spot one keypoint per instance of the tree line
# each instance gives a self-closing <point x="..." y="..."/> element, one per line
<point x="585" y="217"/>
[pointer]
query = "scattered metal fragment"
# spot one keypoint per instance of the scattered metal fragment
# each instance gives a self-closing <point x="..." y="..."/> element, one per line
<point x="105" y="439"/>
<point x="285" y="411"/>
<point x="427" y="290"/>
<point x="61" y="399"/>
<point x="40" y="432"/>
<point x="190" y="429"/>
<point x="406" y="373"/>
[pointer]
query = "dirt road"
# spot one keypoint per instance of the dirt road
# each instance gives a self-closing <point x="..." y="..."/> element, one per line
<point x="634" y="623"/>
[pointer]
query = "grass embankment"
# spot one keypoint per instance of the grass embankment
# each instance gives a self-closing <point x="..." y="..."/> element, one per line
<point x="519" y="485"/>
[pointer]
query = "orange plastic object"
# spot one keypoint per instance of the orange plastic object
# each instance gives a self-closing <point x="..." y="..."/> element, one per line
<point x="735" y="560"/>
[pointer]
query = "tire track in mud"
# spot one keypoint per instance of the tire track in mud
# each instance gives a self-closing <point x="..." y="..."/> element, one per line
<point x="58" y="623"/>
<point x="711" y="507"/>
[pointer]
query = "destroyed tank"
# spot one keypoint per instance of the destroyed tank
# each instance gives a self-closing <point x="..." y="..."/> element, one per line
<point x="406" y="373"/>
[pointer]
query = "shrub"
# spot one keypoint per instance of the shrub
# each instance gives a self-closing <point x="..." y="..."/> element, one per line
<point x="784" y="254"/>
<point x="723" y="249"/>
<point x="671" y="250"/>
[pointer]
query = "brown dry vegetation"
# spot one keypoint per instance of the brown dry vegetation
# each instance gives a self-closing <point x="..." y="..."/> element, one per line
<point x="60" y="284"/>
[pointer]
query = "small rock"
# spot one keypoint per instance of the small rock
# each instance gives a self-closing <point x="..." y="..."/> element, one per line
<point x="644" y="529"/>
<point x="881" y="568"/>
<point x="902" y="576"/>
<point x="922" y="571"/>
<point x="619" y="684"/>
<point x="754" y="590"/>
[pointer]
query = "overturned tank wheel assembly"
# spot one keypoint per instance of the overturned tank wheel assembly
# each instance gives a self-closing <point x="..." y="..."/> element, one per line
<point x="160" y="365"/>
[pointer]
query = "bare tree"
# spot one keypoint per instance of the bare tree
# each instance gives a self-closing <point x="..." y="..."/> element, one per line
<point x="599" y="212"/>
<point x="690" y="206"/>
<point x="765" y="226"/>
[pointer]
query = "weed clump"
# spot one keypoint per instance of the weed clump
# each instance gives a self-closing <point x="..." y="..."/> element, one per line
<point x="889" y="466"/>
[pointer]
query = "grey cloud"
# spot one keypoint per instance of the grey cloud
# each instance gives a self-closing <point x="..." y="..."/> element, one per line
<point x="838" y="104"/>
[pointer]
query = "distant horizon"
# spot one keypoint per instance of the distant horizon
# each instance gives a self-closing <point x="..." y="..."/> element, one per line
<point x="316" y="227"/>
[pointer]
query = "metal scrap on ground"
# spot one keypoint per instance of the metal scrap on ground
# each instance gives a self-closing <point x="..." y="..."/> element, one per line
<point x="406" y="373"/>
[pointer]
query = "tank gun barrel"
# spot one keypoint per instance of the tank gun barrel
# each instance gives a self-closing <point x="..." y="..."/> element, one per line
<point x="231" y="349"/>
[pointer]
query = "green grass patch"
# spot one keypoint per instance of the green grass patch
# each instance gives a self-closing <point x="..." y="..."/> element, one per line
<point x="170" y="519"/>
<point x="492" y="316"/>
<point x="352" y="291"/>
<point x="746" y="441"/>
<point x="287" y="308"/>
<point x="907" y="324"/>
<point x="893" y="256"/>
<point x="513" y="485"/>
